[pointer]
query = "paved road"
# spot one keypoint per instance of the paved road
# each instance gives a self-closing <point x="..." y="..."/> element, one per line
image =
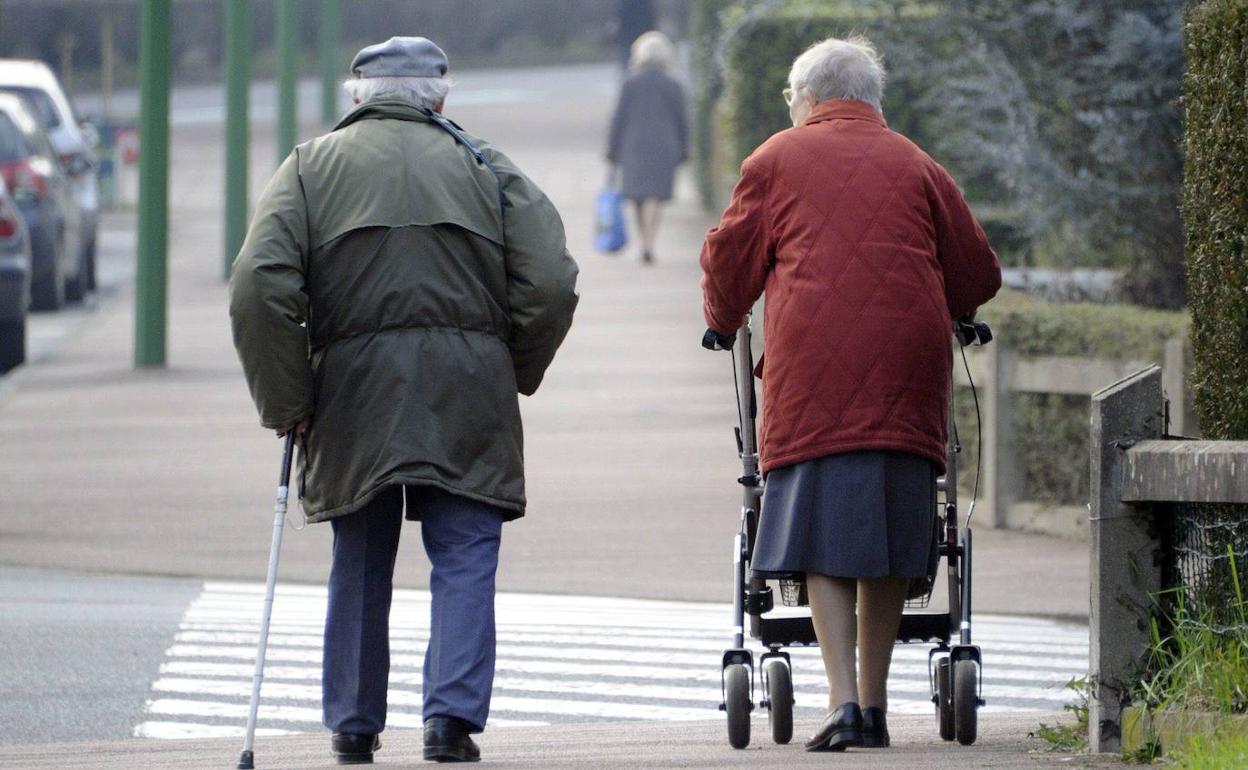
<point x="104" y="469"/>
<point x="99" y="657"/>
<point x="631" y="463"/>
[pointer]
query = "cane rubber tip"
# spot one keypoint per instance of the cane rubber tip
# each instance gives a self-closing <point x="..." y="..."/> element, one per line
<point x="247" y="761"/>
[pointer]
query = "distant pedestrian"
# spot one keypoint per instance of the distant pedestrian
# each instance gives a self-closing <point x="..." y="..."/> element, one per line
<point x="649" y="134"/>
<point x="400" y="284"/>
<point x="868" y="252"/>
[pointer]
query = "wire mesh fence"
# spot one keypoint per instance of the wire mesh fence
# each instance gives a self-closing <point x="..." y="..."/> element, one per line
<point x="1205" y="564"/>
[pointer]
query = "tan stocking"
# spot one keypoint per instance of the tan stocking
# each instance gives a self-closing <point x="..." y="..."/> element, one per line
<point x="832" y="610"/>
<point x="648" y="222"/>
<point x="880" y="602"/>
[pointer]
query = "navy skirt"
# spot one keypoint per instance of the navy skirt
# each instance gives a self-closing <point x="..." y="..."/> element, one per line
<point x="853" y="515"/>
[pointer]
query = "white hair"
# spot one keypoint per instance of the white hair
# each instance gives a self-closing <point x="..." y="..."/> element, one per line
<point x="422" y="92"/>
<point x="840" y="69"/>
<point x="652" y="49"/>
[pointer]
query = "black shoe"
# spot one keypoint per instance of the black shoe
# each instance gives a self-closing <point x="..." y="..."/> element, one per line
<point x="874" y="729"/>
<point x="647" y="258"/>
<point x="841" y="729"/>
<point x="447" y="740"/>
<point x="352" y="749"/>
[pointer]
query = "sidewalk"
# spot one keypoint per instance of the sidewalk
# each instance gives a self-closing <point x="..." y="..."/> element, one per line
<point x="631" y="460"/>
<point x="1003" y="743"/>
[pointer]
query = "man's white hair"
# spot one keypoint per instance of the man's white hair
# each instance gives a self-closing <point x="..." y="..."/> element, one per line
<point x="422" y="92"/>
<point x="652" y="49"/>
<point x="840" y="69"/>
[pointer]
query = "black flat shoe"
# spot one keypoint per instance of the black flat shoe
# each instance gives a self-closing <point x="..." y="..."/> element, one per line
<point x="840" y="730"/>
<point x="352" y="749"/>
<point x="874" y="729"/>
<point x="447" y="740"/>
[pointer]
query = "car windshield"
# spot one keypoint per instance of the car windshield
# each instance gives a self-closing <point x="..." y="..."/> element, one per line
<point x="12" y="144"/>
<point x="40" y="104"/>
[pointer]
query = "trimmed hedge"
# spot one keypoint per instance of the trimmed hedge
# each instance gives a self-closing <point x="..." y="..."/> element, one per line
<point x="760" y="51"/>
<point x="1052" y="430"/>
<point x="1215" y="211"/>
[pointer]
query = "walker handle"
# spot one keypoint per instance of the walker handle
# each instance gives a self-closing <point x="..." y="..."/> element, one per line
<point x="713" y="340"/>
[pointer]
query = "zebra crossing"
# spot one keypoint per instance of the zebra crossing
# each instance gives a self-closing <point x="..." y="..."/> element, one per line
<point x="560" y="659"/>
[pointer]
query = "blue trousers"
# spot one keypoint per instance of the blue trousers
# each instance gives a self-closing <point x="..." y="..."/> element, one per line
<point x="461" y="538"/>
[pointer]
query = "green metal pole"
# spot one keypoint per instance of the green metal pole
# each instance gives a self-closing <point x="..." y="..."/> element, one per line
<point x="328" y="49"/>
<point x="287" y="45"/>
<point x="237" y="83"/>
<point x="151" y="281"/>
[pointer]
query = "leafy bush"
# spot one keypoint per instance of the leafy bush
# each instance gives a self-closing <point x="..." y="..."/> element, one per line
<point x="1013" y="98"/>
<point x="1051" y="430"/>
<point x="1215" y="212"/>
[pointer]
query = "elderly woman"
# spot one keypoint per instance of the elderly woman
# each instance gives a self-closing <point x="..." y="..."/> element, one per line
<point x="649" y="133"/>
<point x="867" y="252"/>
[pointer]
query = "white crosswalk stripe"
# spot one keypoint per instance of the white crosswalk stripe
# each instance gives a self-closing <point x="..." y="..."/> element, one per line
<point x="560" y="658"/>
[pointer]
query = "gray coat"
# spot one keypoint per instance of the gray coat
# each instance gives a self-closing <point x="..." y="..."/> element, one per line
<point x="649" y="134"/>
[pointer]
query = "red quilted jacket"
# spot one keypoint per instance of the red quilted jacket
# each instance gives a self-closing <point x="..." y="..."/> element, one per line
<point x="867" y="251"/>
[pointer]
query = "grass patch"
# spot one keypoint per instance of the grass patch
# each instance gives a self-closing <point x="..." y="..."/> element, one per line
<point x="1201" y="664"/>
<point x="1069" y="738"/>
<point x="1218" y="751"/>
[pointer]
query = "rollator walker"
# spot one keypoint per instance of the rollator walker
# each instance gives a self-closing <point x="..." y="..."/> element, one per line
<point x="954" y="663"/>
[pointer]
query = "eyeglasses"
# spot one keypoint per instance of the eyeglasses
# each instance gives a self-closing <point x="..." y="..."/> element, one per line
<point x="789" y="94"/>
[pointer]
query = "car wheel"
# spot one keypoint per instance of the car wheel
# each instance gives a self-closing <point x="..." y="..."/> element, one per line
<point x="48" y="292"/>
<point x="12" y="344"/>
<point x="76" y="285"/>
<point x="90" y="259"/>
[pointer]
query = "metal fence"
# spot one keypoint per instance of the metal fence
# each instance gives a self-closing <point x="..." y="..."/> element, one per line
<point x="1204" y="556"/>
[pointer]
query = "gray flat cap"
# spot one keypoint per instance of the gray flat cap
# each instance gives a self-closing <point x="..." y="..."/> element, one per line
<point x="400" y="57"/>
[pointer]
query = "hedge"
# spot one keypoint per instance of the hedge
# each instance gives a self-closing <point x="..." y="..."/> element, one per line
<point x="760" y="51"/>
<point x="1052" y="430"/>
<point x="1215" y="211"/>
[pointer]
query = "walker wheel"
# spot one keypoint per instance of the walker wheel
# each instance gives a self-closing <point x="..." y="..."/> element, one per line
<point x="944" y="699"/>
<point x="737" y="704"/>
<point x="779" y="700"/>
<point x="965" y="701"/>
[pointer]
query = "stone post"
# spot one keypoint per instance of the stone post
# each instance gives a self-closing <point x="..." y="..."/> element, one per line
<point x="1126" y="570"/>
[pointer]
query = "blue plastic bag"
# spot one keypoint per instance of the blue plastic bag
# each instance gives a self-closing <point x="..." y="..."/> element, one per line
<point x="611" y="233"/>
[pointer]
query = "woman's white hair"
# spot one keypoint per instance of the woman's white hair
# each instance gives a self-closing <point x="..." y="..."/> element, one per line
<point x="652" y="49"/>
<point x="840" y="69"/>
<point x="422" y="92"/>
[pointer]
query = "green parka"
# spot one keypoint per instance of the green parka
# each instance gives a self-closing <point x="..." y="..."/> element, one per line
<point x="386" y="292"/>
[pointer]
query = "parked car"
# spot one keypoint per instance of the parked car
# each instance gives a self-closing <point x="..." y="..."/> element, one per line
<point x="14" y="282"/>
<point x="45" y="199"/>
<point x="73" y="140"/>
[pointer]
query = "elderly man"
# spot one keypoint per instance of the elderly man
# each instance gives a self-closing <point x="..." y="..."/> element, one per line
<point x="400" y="284"/>
<point x="867" y="252"/>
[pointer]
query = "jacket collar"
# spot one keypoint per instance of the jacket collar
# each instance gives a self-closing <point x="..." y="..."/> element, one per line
<point x="383" y="109"/>
<point x="844" y="109"/>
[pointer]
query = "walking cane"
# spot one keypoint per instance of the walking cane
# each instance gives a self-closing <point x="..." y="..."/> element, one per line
<point x="247" y="760"/>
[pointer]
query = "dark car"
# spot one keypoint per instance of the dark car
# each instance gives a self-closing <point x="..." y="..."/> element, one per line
<point x="71" y="140"/>
<point x="45" y="199"/>
<point x="14" y="282"/>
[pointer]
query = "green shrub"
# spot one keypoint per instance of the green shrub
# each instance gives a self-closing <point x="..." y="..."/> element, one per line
<point x="1051" y="430"/>
<point x="761" y="49"/>
<point x="1215" y="212"/>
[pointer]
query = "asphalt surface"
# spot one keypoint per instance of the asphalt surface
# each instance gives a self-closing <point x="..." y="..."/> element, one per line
<point x="1004" y="743"/>
<point x="629" y="448"/>
<point x="78" y="652"/>
<point x="109" y="474"/>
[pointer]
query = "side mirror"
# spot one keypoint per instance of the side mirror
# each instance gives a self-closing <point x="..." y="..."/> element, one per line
<point x="90" y="134"/>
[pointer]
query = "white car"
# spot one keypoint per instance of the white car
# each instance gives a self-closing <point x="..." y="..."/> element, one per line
<point x="39" y="86"/>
